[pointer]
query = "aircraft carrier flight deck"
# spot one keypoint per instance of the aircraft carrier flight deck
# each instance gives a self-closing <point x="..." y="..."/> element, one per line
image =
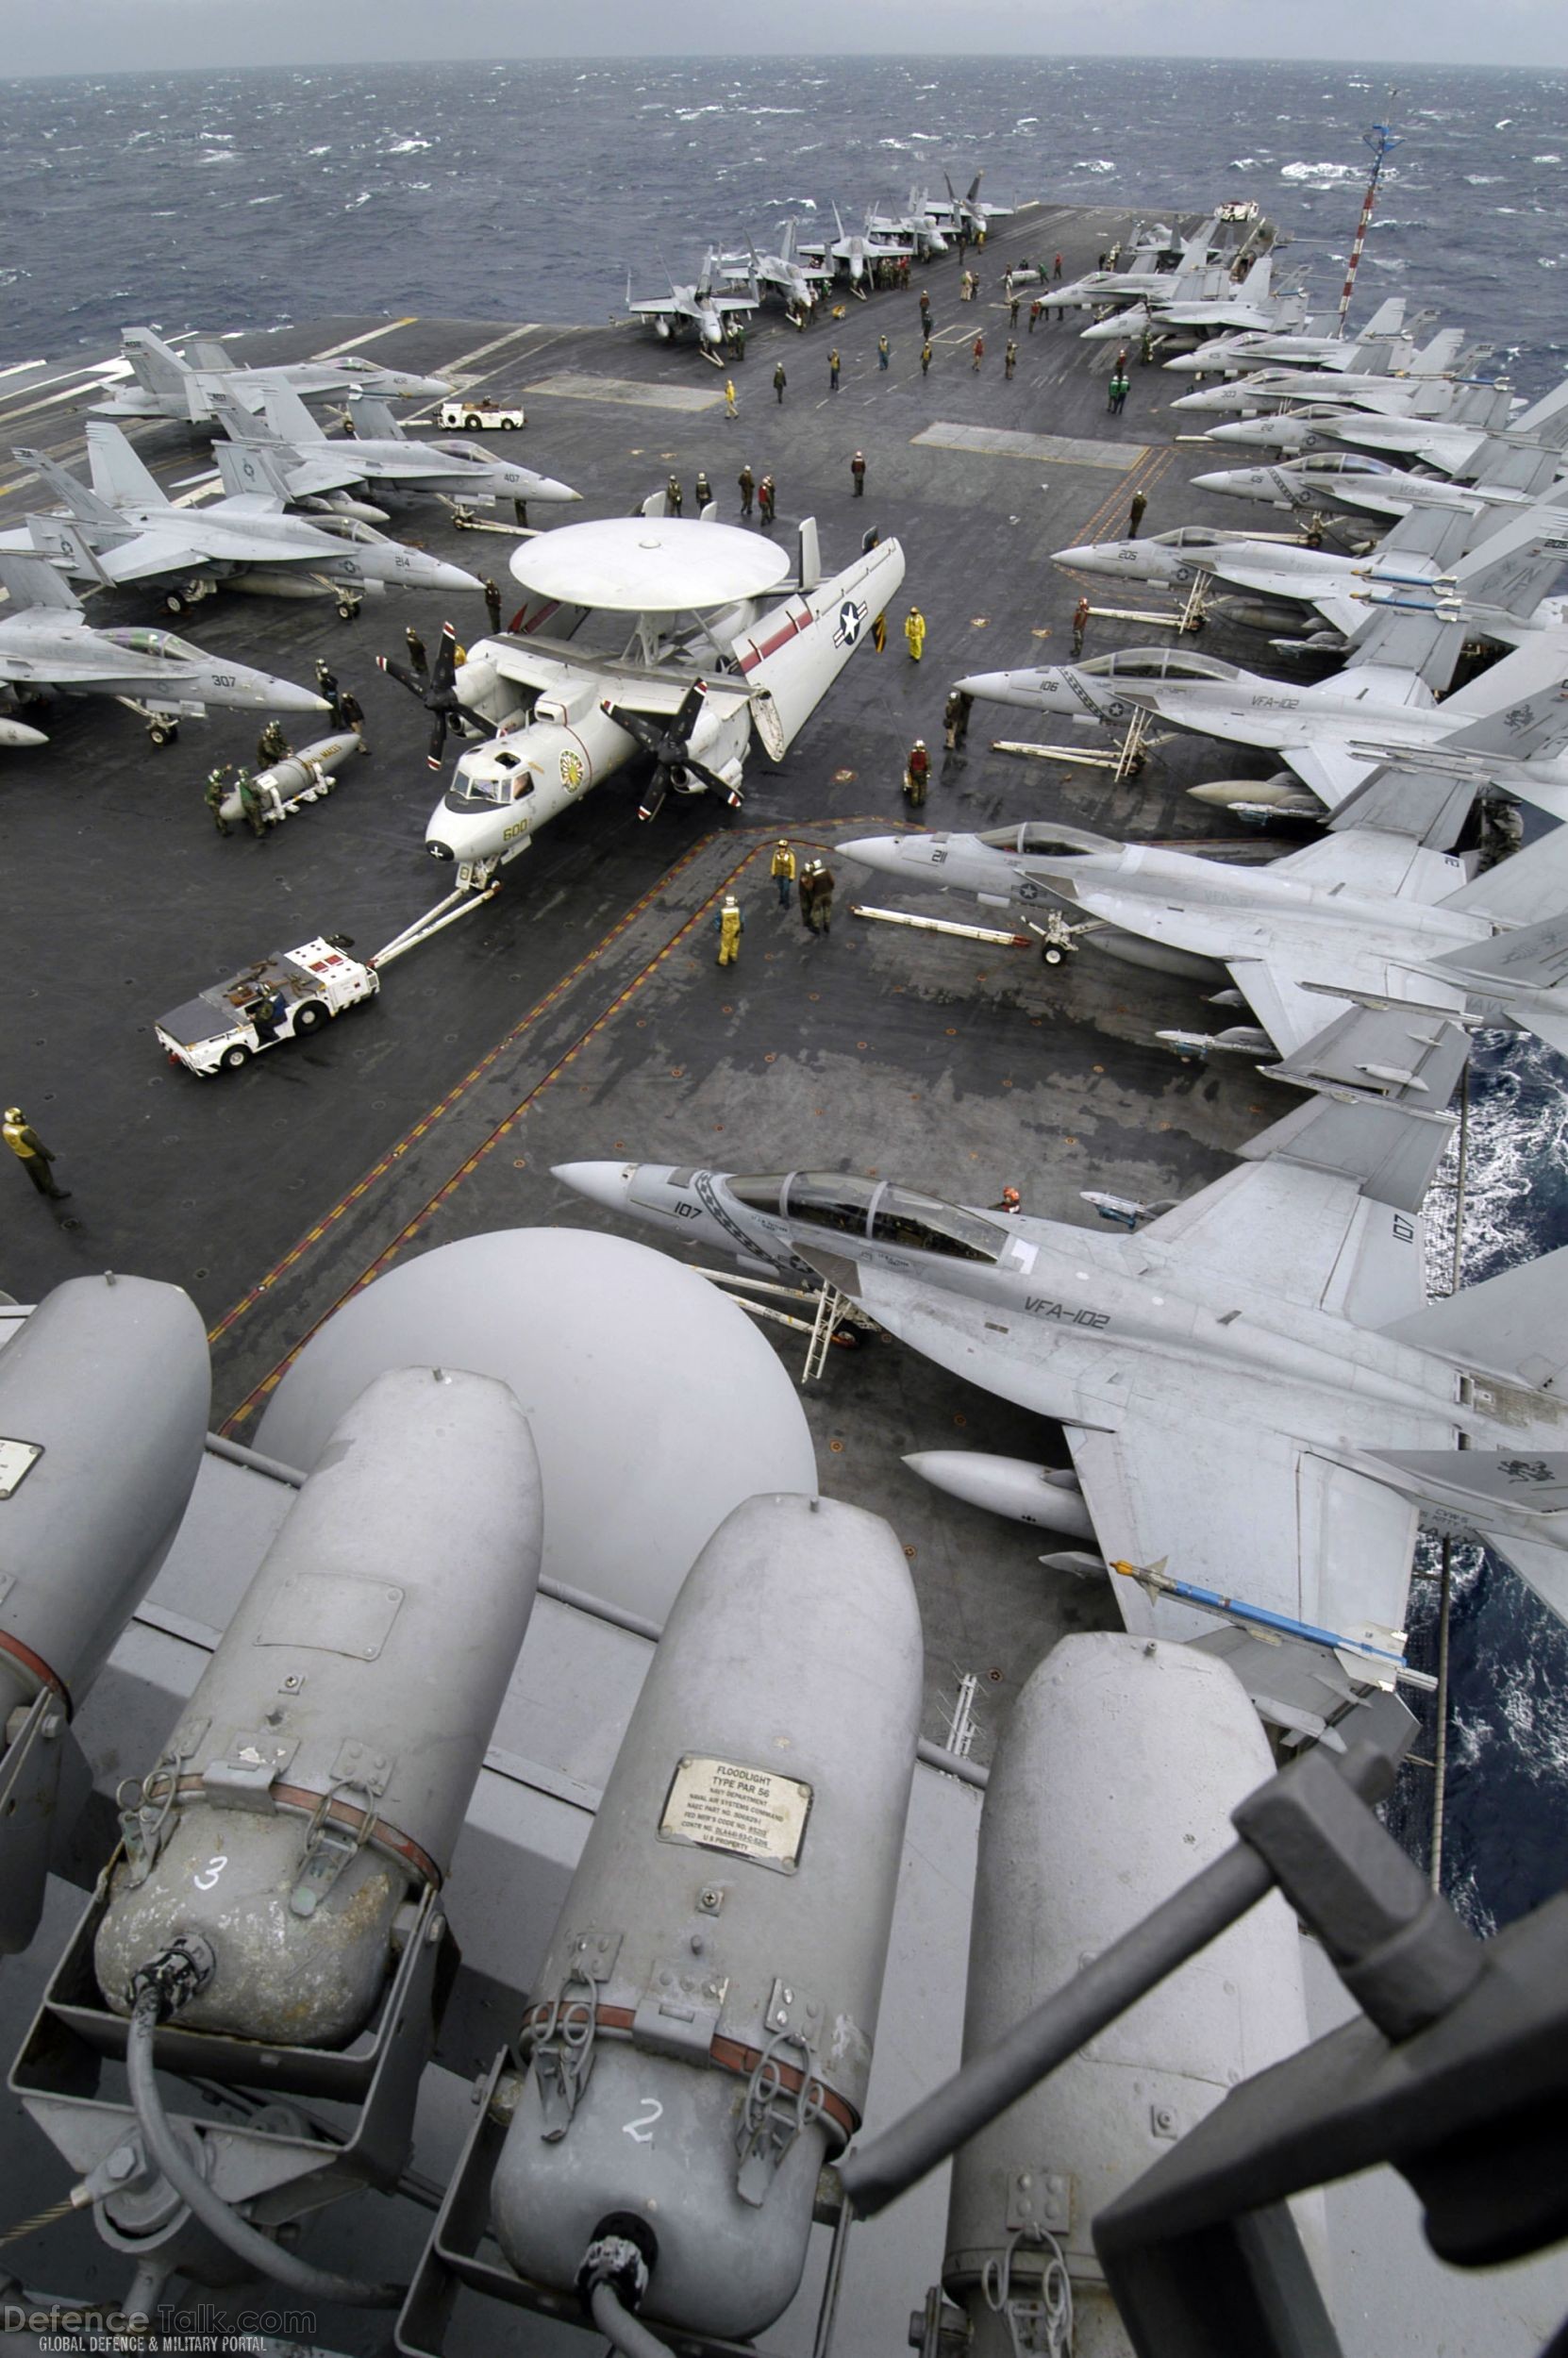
<point x="582" y="1013"/>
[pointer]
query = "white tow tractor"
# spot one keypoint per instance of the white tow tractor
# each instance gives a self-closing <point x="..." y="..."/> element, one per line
<point x="280" y="995"/>
<point x="477" y="414"/>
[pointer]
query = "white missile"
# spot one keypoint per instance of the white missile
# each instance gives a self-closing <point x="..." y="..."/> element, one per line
<point x="1282" y="793"/>
<point x="1009" y="1486"/>
<point x="304" y="777"/>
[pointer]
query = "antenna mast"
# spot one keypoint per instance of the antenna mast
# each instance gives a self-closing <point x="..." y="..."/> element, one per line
<point x="1382" y="142"/>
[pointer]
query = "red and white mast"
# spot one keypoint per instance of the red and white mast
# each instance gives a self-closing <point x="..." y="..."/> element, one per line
<point x="1382" y="142"/>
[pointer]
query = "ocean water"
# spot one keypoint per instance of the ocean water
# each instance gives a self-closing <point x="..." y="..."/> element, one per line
<point x="222" y="201"/>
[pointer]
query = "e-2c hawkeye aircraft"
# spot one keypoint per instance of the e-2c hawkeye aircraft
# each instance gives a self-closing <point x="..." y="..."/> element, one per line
<point x="1259" y="1402"/>
<point x="644" y="634"/>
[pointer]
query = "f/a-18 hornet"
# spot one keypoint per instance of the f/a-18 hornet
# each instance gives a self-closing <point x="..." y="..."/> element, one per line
<point x="171" y="385"/>
<point x="287" y="450"/>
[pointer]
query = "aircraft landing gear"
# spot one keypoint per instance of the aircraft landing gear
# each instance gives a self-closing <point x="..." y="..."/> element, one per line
<point x="162" y="728"/>
<point x="349" y="603"/>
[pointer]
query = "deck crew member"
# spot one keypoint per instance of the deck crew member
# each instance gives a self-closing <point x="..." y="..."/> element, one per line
<point x="767" y="496"/>
<point x="817" y="908"/>
<point x="326" y="685"/>
<point x="492" y="601"/>
<point x="780" y="380"/>
<point x="1081" y="624"/>
<point x="1009" y="1202"/>
<point x="252" y="809"/>
<point x="915" y="633"/>
<point x="926" y="357"/>
<point x="782" y="867"/>
<point x="351" y="714"/>
<point x="703" y="490"/>
<point x="748" y="485"/>
<point x="1035" y="310"/>
<point x="729" y="925"/>
<point x="33" y="1155"/>
<point x="1009" y="359"/>
<point x="978" y="349"/>
<point x="674" y="499"/>
<point x="955" y="719"/>
<point x="857" y="472"/>
<point x="883" y="352"/>
<point x="833" y="369"/>
<point x="730" y="409"/>
<point x="417" y="656"/>
<point x="217" y="786"/>
<point x="917" y="774"/>
<point x="272" y="745"/>
<point x="1136" y="506"/>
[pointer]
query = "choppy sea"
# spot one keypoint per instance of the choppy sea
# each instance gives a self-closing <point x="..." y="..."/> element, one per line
<point x="518" y="191"/>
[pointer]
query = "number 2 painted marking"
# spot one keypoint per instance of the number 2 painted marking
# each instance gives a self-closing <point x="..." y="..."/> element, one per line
<point x="641" y="2128"/>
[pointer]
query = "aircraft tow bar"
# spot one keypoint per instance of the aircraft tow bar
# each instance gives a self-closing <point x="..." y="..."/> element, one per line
<point x="435" y="920"/>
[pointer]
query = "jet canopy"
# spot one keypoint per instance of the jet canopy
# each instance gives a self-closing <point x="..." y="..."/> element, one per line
<point x="1156" y="663"/>
<point x="877" y="1209"/>
<point x="1042" y="836"/>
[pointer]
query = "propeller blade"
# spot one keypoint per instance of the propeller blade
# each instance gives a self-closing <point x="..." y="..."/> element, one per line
<point x="709" y="778"/>
<point x="445" y="668"/>
<point x="475" y="721"/>
<point x="636" y="724"/>
<point x="652" y="801"/>
<point x="691" y="705"/>
<point x="401" y="672"/>
<point x="435" y="753"/>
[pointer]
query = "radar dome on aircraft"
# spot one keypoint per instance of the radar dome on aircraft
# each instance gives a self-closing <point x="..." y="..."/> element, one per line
<point x="650" y="565"/>
<point x="654" y="1406"/>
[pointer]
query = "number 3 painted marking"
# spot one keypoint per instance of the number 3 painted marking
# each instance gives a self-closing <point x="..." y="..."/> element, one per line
<point x="210" y="1872"/>
<point x="641" y="2128"/>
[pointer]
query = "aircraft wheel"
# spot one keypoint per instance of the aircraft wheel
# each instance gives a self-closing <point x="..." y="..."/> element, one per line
<point x="310" y="1018"/>
<point x="1051" y="955"/>
<point x="162" y="732"/>
<point x="174" y="602"/>
<point x="346" y="612"/>
<point x="234" y="1060"/>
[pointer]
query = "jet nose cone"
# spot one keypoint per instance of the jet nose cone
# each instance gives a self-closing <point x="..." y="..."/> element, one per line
<point x="445" y="576"/>
<point x="876" y="851"/>
<point x="1086" y="559"/>
<point x="602" y="1183"/>
<point x="281" y="695"/>
<point x="545" y="487"/>
<point x="1008" y="687"/>
<point x="1226" y="480"/>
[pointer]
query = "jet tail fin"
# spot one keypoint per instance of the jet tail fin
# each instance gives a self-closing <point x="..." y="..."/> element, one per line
<point x="1508" y="467"/>
<point x="1386" y="321"/>
<point x="1381" y="1080"/>
<point x="31" y="583"/>
<point x="240" y="423"/>
<point x="1536" y="954"/>
<point x="1441" y="533"/>
<point x="118" y="474"/>
<point x="62" y="542"/>
<point x="1514" y="1325"/>
<point x="1522" y="890"/>
<point x="69" y="488"/>
<point x="254" y="470"/>
<point x="1547" y="420"/>
<point x="207" y="352"/>
<point x="288" y="416"/>
<point x="373" y="419"/>
<point x="1437" y="358"/>
<point x="154" y="365"/>
<point x="1515" y="567"/>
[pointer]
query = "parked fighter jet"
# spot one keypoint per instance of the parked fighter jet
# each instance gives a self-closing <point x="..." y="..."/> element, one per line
<point x="796" y="280"/>
<point x="700" y="305"/>
<point x="1387" y="336"/>
<point x="46" y="643"/>
<point x="1332" y="734"/>
<point x="1507" y="475"/>
<point x="1364" y="914"/>
<point x="126" y="529"/>
<point x="1219" y="301"/>
<point x="1259" y="1400"/>
<point x="170" y="385"/>
<point x="287" y="452"/>
<point x="858" y="251"/>
<point x="1163" y="270"/>
<point x="668" y="650"/>
<point x="1418" y="551"/>
<point x="1427" y="378"/>
<point x="965" y="215"/>
<point x="1451" y="445"/>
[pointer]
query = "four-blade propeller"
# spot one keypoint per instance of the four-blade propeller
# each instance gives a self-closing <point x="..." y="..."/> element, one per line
<point x="669" y="742"/>
<point x="438" y="693"/>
